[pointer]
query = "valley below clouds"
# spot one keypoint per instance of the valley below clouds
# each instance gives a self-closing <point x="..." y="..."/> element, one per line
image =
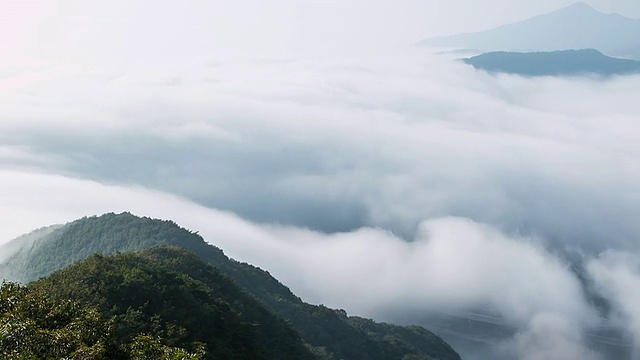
<point x="393" y="186"/>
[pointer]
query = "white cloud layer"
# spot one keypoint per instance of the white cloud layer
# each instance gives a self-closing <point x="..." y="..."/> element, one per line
<point x="453" y="264"/>
<point x="433" y="186"/>
<point x="338" y="144"/>
<point x="617" y="276"/>
<point x="390" y="185"/>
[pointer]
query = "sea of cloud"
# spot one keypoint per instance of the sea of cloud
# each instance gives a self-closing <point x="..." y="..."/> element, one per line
<point x="388" y="186"/>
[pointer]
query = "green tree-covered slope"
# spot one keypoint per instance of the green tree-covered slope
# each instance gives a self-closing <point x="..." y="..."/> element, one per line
<point x="34" y="326"/>
<point x="330" y="333"/>
<point x="163" y="301"/>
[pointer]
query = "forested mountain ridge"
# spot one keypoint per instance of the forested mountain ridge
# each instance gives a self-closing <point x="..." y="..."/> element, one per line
<point x="330" y="333"/>
<point x="163" y="297"/>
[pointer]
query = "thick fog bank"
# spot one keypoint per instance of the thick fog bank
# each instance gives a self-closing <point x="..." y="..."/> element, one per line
<point x="388" y="186"/>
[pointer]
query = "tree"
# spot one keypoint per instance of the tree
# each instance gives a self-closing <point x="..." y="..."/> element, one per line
<point x="34" y="326"/>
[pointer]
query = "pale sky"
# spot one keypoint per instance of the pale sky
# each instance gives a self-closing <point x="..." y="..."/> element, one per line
<point x="280" y="26"/>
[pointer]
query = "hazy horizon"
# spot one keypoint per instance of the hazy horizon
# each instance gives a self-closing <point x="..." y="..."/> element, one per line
<point x="45" y="28"/>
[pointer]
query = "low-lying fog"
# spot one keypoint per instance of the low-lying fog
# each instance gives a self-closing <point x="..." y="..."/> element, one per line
<point x="391" y="185"/>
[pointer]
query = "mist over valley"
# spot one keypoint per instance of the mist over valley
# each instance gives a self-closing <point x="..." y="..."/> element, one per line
<point x="389" y="180"/>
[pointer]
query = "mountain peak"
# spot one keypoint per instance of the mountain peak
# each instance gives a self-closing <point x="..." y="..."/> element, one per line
<point x="580" y="5"/>
<point x="577" y="26"/>
<point x="577" y="10"/>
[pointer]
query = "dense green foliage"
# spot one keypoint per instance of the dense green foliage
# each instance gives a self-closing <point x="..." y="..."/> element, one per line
<point x="328" y="333"/>
<point x="170" y="294"/>
<point x="34" y="326"/>
<point x="554" y="63"/>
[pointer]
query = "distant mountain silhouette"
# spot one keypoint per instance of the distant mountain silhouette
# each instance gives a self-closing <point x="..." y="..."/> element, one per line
<point x="578" y="26"/>
<point x="554" y="63"/>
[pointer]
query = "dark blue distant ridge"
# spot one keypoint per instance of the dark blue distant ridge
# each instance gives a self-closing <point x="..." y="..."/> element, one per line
<point x="554" y="63"/>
